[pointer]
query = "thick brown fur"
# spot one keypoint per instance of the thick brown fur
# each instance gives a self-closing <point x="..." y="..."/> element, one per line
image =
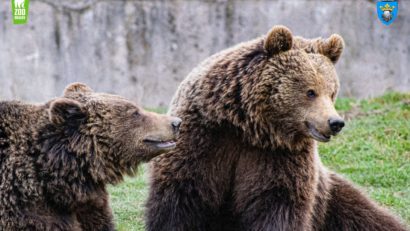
<point x="57" y="158"/>
<point x="246" y="158"/>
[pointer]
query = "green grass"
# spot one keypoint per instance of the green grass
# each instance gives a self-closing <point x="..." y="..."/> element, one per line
<point x="127" y="201"/>
<point x="373" y="151"/>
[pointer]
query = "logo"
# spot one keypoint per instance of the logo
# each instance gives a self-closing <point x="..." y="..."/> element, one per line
<point x="20" y="11"/>
<point x="387" y="11"/>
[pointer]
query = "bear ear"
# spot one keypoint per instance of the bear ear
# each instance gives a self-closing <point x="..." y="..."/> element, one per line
<point x="77" y="87"/>
<point x="279" y="39"/>
<point x="67" y="111"/>
<point x="332" y="47"/>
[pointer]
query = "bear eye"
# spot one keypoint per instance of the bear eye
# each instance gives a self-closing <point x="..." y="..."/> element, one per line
<point x="136" y="114"/>
<point x="311" y="94"/>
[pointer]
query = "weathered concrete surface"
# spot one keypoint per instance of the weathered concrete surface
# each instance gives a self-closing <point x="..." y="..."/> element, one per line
<point x="143" y="49"/>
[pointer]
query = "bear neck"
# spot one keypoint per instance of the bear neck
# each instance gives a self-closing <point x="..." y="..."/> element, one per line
<point x="259" y="140"/>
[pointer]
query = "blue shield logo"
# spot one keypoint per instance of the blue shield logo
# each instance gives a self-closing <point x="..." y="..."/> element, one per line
<point x="387" y="11"/>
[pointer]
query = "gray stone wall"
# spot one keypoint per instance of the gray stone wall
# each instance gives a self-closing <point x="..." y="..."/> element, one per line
<point x="142" y="49"/>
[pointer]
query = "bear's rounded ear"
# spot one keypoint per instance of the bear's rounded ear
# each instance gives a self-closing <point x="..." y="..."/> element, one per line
<point x="332" y="47"/>
<point x="279" y="39"/>
<point x="67" y="111"/>
<point x="77" y="87"/>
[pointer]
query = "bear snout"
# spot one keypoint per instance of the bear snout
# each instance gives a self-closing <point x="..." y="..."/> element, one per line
<point x="336" y="125"/>
<point x="176" y="123"/>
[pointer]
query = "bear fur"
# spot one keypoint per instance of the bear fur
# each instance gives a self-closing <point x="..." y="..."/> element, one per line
<point x="246" y="157"/>
<point x="57" y="158"/>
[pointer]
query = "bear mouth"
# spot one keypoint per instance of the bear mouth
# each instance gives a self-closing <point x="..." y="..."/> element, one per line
<point x="160" y="144"/>
<point x="315" y="134"/>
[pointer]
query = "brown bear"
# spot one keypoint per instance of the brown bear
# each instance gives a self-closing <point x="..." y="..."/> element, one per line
<point x="246" y="157"/>
<point x="57" y="158"/>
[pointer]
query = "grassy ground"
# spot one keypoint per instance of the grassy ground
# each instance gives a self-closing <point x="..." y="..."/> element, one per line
<point x="373" y="151"/>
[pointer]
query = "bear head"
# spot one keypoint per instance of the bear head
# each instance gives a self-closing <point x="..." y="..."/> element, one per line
<point x="111" y="132"/>
<point x="279" y="90"/>
<point x="296" y="89"/>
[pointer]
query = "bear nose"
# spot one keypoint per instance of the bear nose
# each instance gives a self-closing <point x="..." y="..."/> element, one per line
<point x="336" y="125"/>
<point x="176" y="122"/>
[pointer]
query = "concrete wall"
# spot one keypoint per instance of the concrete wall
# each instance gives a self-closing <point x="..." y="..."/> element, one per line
<point x="143" y="49"/>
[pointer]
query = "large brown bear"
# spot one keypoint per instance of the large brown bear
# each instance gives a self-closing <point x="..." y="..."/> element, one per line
<point x="57" y="158"/>
<point x="247" y="158"/>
